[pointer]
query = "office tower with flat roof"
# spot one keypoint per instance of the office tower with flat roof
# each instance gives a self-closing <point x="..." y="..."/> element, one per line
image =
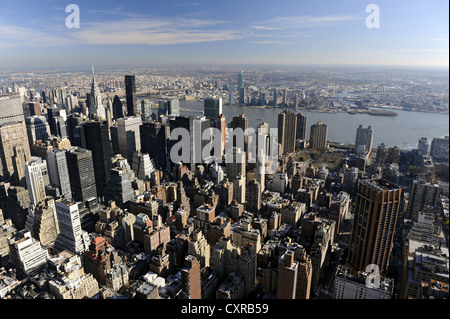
<point x="240" y="79"/>
<point x="94" y="137"/>
<point x="71" y="237"/>
<point x="301" y="127"/>
<point x="27" y="252"/>
<point x="318" y="136"/>
<point x="212" y="108"/>
<point x="287" y="276"/>
<point x="73" y="129"/>
<point x="253" y="196"/>
<point x="153" y="142"/>
<point x="14" y="151"/>
<point x="287" y="128"/>
<point x="128" y="138"/>
<point x="191" y="279"/>
<point x="422" y="194"/>
<point x="422" y="145"/>
<point x="235" y="163"/>
<point x="35" y="108"/>
<point x="11" y="109"/>
<point x="349" y="286"/>
<point x="364" y="139"/>
<point x="169" y="107"/>
<point x="439" y="150"/>
<point x="117" y="108"/>
<point x="82" y="179"/>
<point x="376" y="211"/>
<point x="37" y="128"/>
<point x="58" y="171"/>
<point x="130" y="93"/>
<point x="118" y="187"/>
<point x="240" y="122"/>
<point x="35" y="181"/>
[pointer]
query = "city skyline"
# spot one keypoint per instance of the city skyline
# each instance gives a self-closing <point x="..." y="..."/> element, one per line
<point x="200" y="32"/>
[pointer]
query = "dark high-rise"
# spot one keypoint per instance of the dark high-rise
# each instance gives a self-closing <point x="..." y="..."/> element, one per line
<point x="117" y="108"/>
<point x="153" y="142"/>
<point x="190" y="279"/>
<point x="73" y="129"/>
<point x="376" y="211"/>
<point x="94" y="137"/>
<point x="130" y="92"/>
<point x="301" y="127"/>
<point x="287" y="126"/>
<point x="241" y="122"/>
<point x="82" y="181"/>
<point x="213" y="108"/>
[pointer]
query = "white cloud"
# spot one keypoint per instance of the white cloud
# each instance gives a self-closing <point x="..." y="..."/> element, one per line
<point x="300" y="22"/>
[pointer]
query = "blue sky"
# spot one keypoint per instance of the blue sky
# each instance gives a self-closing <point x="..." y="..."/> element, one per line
<point x="132" y="33"/>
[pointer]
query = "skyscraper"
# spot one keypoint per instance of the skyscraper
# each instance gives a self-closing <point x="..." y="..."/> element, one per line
<point x="27" y="253"/>
<point x="58" y="172"/>
<point x="240" y="80"/>
<point x="190" y="279"/>
<point x="117" y="108"/>
<point x="169" y="107"/>
<point x="287" y="276"/>
<point x="118" y="187"/>
<point x="364" y="139"/>
<point x="423" y="145"/>
<point x="82" y="179"/>
<point x="71" y="236"/>
<point x="14" y="151"/>
<point x="212" y="108"/>
<point x="439" y="150"/>
<point x="235" y="163"/>
<point x="11" y="109"/>
<point x="35" y="182"/>
<point x="376" y="211"/>
<point x="130" y="92"/>
<point x="37" y="128"/>
<point x="153" y="142"/>
<point x="241" y="122"/>
<point x="301" y="127"/>
<point x="318" y="136"/>
<point x="422" y="194"/>
<point x="96" y="107"/>
<point x="231" y="95"/>
<point x="94" y="137"/>
<point x="242" y="96"/>
<point x="287" y="127"/>
<point x="128" y="138"/>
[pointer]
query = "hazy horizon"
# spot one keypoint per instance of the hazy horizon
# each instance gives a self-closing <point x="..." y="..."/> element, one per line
<point x="34" y="34"/>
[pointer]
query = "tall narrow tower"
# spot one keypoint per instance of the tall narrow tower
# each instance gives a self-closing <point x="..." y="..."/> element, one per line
<point x="376" y="210"/>
<point x="95" y="100"/>
<point x="130" y="92"/>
